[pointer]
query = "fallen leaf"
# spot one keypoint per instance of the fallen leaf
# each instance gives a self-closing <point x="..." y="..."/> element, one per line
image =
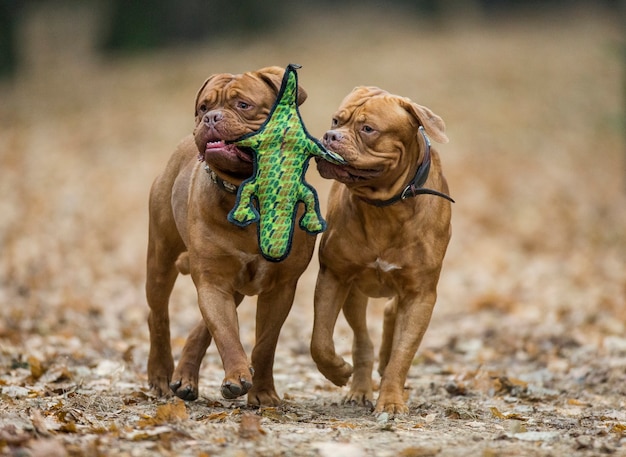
<point x="276" y="415"/>
<point x="496" y="413"/>
<point x="217" y="417"/>
<point x="619" y="428"/>
<point x="536" y="436"/>
<point x="39" y="423"/>
<point x="169" y="412"/>
<point x="36" y="367"/>
<point x="56" y="375"/>
<point x="47" y="448"/>
<point x="419" y="452"/>
<point x="250" y="427"/>
<point x="12" y="436"/>
<point x="342" y="424"/>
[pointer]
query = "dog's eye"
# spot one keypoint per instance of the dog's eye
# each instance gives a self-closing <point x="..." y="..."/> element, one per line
<point x="334" y="122"/>
<point x="243" y="105"/>
<point x="367" y="128"/>
<point x="203" y="108"/>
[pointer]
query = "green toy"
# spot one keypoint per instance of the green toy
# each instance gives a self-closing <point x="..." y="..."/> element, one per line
<point x="282" y="149"/>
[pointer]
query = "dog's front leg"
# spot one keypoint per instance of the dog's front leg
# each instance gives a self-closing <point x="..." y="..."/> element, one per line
<point x="185" y="378"/>
<point x="330" y="295"/>
<point x="272" y="310"/>
<point x="219" y="311"/>
<point x="413" y="316"/>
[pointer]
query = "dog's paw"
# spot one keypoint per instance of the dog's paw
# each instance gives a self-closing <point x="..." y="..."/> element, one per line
<point x="393" y="409"/>
<point x="337" y="374"/>
<point x="233" y="389"/>
<point x="263" y="398"/>
<point x="160" y="388"/>
<point x="187" y="392"/>
<point x="359" y="399"/>
<point x="159" y="385"/>
<point x="160" y="370"/>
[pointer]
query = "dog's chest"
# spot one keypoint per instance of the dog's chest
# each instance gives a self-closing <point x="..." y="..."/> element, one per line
<point x="379" y="278"/>
<point x="383" y="266"/>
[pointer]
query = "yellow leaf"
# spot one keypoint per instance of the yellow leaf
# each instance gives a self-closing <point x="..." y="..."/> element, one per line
<point x="217" y="416"/>
<point x="575" y="402"/>
<point x="250" y="427"/>
<point x="496" y="413"/>
<point x="619" y="428"/>
<point x="169" y="412"/>
<point x="36" y="368"/>
<point x="172" y="411"/>
<point x="339" y="424"/>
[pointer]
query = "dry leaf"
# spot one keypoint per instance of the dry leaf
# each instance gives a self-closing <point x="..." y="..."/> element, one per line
<point x="10" y="435"/>
<point x="56" y="375"/>
<point x="36" y="367"/>
<point x="250" y="427"/>
<point x="619" y="428"/>
<point x="169" y="412"/>
<point x="340" y="424"/>
<point x="419" y="452"/>
<point x="39" y="423"/>
<point x="496" y="413"/>
<point x="215" y="417"/>
<point x="47" y="448"/>
<point x="276" y="415"/>
<point x="173" y="411"/>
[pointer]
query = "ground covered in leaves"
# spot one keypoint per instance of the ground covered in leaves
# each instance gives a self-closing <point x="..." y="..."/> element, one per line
<point x="526" y="352"/>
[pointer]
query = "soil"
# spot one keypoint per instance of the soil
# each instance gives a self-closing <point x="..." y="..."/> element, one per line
<point x="526" y="351"/>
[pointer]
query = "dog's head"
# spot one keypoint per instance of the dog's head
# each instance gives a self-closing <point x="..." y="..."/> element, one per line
<point x="230" y="106"/>
<point x="377" y="134"/>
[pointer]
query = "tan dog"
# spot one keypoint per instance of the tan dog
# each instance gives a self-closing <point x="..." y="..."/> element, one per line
<point x="190" y="233"/>
<point x="384" y="239"/>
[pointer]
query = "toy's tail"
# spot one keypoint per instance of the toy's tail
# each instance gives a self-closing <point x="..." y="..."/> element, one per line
<point x="275" y="234"/>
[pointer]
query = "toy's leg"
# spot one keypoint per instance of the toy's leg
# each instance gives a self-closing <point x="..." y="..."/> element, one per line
<point x="312" y="222"/>
<point x="244" y="213"/>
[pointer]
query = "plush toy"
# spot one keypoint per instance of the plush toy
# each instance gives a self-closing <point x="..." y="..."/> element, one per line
<point x="282" y="148"/>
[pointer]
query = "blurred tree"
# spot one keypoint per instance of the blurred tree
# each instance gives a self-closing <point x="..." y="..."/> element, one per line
<point x="144" y="24"/>
<point x="8" y="40"/>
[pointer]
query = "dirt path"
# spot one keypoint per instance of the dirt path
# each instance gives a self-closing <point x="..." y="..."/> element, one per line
<point x="526" y="352"/>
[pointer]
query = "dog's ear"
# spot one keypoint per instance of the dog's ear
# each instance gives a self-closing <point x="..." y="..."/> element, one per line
<point x="433" y="124"/>
<point x="273" y="76"/>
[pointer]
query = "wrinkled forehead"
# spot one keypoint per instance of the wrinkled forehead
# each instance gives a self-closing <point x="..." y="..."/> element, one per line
<point x="227" y="86"/>
<point x="383" y="109"/>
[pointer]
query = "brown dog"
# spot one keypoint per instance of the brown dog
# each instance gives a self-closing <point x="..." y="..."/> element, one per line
<point x="189" y="233"/>
<point x="384" y="239"/>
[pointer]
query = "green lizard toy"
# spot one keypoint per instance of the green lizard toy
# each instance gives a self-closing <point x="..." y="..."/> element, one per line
<point x="282" y="149"/>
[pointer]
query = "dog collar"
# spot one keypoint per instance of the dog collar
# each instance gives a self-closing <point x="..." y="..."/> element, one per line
<point x="414" y="188"/>
<point x="224" y="185"/>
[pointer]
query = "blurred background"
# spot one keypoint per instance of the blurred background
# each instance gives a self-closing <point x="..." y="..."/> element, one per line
<point x="94" y="96"/>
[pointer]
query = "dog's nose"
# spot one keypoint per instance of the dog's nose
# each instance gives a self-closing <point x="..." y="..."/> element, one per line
<point x="332" y="135"/>
<point x="213" y="117"/>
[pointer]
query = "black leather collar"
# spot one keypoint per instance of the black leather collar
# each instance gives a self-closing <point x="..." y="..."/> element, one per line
<point x="414" y="188"/>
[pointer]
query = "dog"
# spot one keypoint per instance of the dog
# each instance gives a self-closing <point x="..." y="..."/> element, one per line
<point x="388" y="219"/>
<point x="189" y="233"/>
